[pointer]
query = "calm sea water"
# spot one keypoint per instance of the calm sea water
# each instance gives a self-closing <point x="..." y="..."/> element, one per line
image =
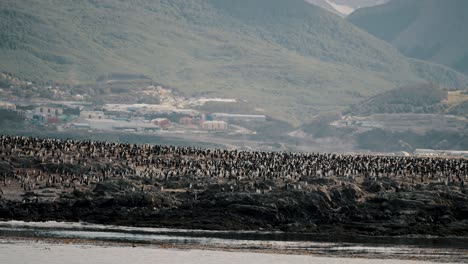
<point x="151" y="245"/>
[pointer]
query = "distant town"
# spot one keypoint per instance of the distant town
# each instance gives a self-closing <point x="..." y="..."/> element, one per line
<point x="134" y="106"/>
<point x="173" y="114"/>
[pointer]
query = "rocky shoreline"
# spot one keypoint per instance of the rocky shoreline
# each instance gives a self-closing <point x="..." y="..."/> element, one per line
<point x="344" y="210"/>
<point x="360" y="204"/>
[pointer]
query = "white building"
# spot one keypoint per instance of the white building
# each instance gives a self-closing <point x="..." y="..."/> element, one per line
<point x="8" y="106"/>
<point x="148" y="109"/>
<point x="92" y="115"/>
<point x="215" y="125"/>
<point x="49" y="111"/>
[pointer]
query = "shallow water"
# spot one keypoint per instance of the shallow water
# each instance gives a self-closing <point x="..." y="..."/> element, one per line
<point x="431" y="249"/>
<point x="27" y="252"/>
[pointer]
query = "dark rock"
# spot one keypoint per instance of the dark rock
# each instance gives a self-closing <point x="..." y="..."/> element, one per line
<point x="5" y="213"/>
<point x="82" y="203"/>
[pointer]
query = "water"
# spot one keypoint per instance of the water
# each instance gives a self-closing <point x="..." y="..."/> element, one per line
<point x="16" y="239"/>
<point x="78" y="254"/>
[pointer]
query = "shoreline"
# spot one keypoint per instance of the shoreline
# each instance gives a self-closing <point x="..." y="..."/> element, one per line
<point x="335" y="256"/>
<point x="261" y="231"/>
<point x="239" y="216"/>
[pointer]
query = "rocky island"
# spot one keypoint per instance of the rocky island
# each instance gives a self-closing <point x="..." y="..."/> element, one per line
<point x="196" y="188"/>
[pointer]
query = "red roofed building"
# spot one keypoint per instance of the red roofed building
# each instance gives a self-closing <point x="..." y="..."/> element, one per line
<point x="52" y="120"/>
<point x="187" y="121"/>
<point x="162" y="122"/>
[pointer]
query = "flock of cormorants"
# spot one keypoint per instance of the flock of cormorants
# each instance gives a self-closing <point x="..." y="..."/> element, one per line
<point x="34" y="163"/>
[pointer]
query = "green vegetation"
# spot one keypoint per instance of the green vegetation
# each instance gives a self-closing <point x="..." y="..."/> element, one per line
<point x="387" y="141"/>
<point x="5" y="83"/>
<point x="228" y="107"/>
<point x="421" y="98"/>
<point x="121" y="76"/>
<point x="425" y="29"/>
<point x="290" y="58"/>
<point x="10" y="118"/>
<point x="459" y="109"/>
<point x="320" y="126"/>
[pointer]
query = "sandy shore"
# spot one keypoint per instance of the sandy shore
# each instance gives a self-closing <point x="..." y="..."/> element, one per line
<point x="21" y="251"/>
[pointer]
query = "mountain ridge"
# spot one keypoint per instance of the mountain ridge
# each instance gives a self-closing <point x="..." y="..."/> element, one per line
<point x="345" y="7"/>
<point x="424" y="29"/>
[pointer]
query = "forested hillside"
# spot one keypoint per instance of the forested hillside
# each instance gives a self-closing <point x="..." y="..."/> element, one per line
<point x="289" y="58"/>
<point x="419" y="99"/>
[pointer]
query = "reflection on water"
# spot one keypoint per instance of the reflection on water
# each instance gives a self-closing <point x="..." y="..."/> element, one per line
<point x="438" y="249"/>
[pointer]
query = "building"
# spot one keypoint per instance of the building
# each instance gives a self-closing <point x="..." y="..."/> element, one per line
<point x="162" y="122"/>
<point x="92" y="115"/>
<point x="239" y="117"/>
<point x="186" y="121"/>
<point x="215" y="125"/>
<point x="52" y="120"/>
<point x="7" y="106"/>
<point x="140" y="108"/>
<point x="148" y="109"/>
<point x="38" y="119"/>
<point x="49" y="111"/>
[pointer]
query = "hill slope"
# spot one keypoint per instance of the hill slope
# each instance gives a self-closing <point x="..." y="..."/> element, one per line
<point x="422" y="98"/>
<point x="425" y="29"/>
<point x="288" y="57"/>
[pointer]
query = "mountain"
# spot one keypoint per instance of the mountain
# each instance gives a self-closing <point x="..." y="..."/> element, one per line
<point x="287" y="58"/>
<point x="341" y="10"/>
<point x="345" y="7"/>
<point x="430" y="30"/>
<point x="356" y="4"/>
